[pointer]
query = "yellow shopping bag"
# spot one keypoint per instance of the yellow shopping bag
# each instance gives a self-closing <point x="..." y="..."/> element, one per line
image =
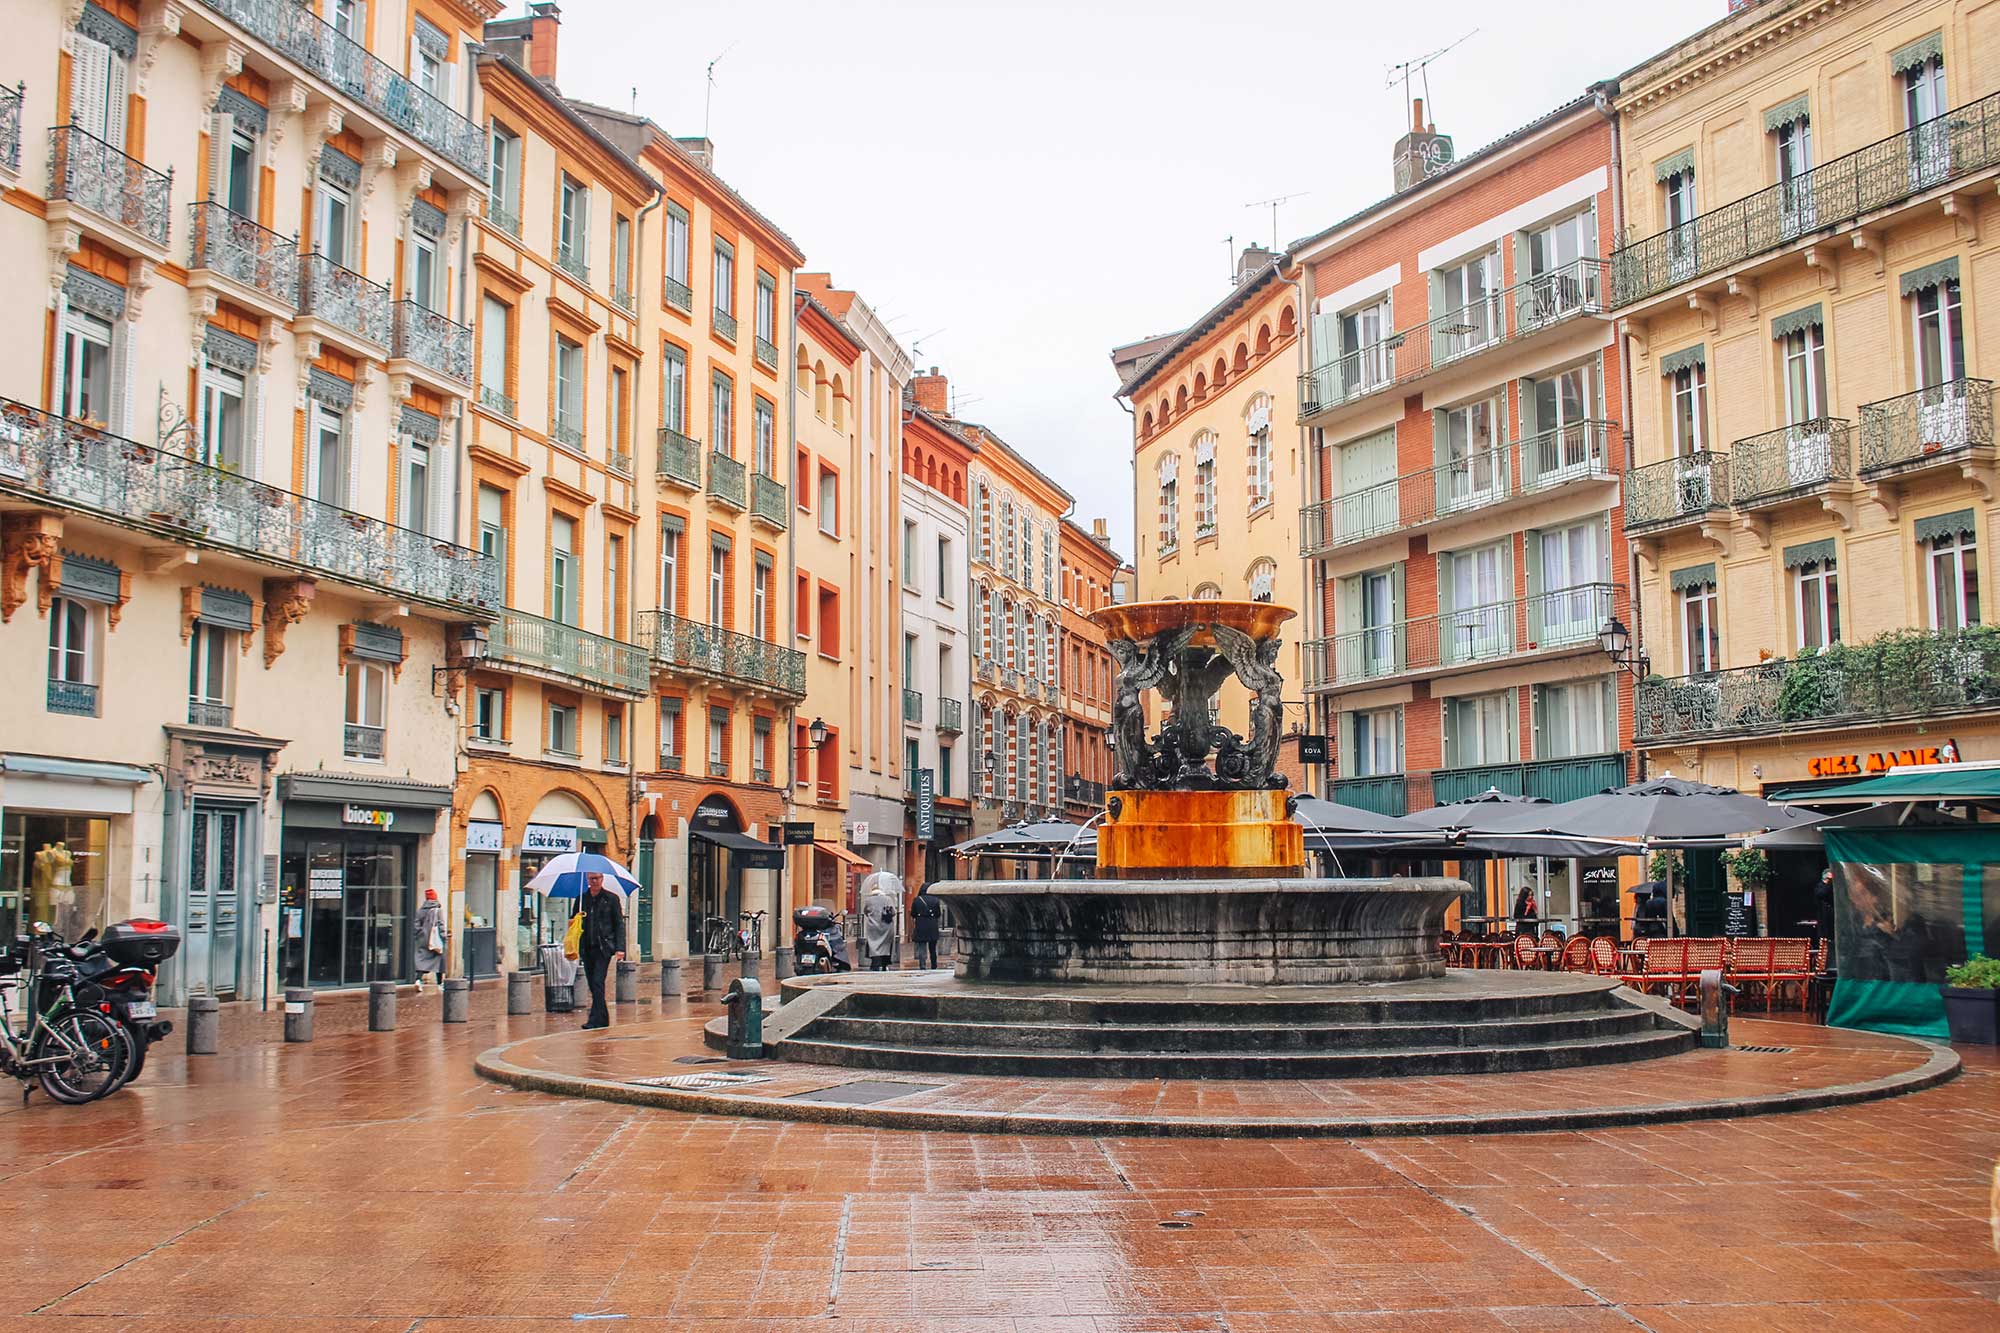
<point x="573" y="937"/>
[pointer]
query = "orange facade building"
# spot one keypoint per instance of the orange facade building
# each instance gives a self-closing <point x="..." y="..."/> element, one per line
<point x="1087" y="569"/>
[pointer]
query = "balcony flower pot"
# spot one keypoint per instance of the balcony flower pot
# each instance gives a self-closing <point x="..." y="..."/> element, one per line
<point x="1971" y="992"/>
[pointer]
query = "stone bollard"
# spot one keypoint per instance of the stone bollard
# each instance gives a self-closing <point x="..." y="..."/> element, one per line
<point x="628" y="983"/>
<point x="747" y="966"/>
<point x="711" y="973"/>
<point x="782" y="963"/>
<point x="670" y="982"/>
<point x="520" y="992"/>
<point x="381" y="1006"/>
<point x="298" y="1015"/>
<point x="457" y="999"/>
<point x="204" y="1025"/>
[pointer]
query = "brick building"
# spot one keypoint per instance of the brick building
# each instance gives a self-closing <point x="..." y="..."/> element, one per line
<point x="1087" y="568"/>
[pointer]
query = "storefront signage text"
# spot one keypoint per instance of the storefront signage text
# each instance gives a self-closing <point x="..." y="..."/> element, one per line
<point x="541" y="838"/>
<point x="798" y="833"/>
<point x="926" y="820"/>
<point x="1881" y="761"/>
<point x="361" y="814"/>
<point x="482" y="836"/>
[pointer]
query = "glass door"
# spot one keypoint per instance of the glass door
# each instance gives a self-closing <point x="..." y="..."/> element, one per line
<point x="1680" y="226"/>
<point x="1475" y="474"/>
<point x="1564" y="446"/>
<point x="1363" y="357"/>
<point x="1572" y="560"/>
<point x="1378" y="624"/>
<point x="212" y="935"/>
<point x="1794" y="178"/>
<point x="1480" y="623"/>
<point x="1559" y="285"/>
<point x="1469" y="320"/>
<point x="1930" y="131"/>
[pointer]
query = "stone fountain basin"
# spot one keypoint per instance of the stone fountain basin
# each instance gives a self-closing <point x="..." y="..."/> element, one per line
<point x="1194" y="931"/>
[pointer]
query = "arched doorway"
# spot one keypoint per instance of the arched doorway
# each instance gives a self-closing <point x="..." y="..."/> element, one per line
<point x="715" y="883"/>
<point x="561" y="822"/>
<point x="642" y="903"/>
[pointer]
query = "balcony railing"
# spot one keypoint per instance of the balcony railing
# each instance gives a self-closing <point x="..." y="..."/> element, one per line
<point x="1886" y="172"/>
<point x="493" y="400"/>
<point x="622" y="297"/>
<point x="73" y="697"/>
<point x="1581" y="451"/>
<point x="986" y="670"/>
<point x="1790" y="460"/>
<point x="89" y="172"/>
<point x="669" y="761"/>
<point x="679" y="459"/>
<point x="761" y="776"/>
<point x="1549" y="779"/>
<point x="1084" y="790"/>
<point x="767" y="353"/>
<point x="951" y="715"/>
<point x="1903" y="674"/>
<point x="678" y="644"/>
<point x="429" y="339"/>
<point x="67" y="463"/>
<point x="725" y="324"/>
<point x="618" y="460"/>
<point x="718" y="768"/>
<point x="344" y="298"/>
<point x="296" y="33"/>
<point x="768" y="500"/>
<point x="567" y="433"/>
<point x="549" y="645"/>
<point x="726" y="478"/>
<point x="237" y="248"/>
<point x="1562" y="618"/>
<point x="677" y="294"/>
<point x="1502" y="317"/>
<point x="913" y="706"/>
<point x="209" y="713"/>
<point x="1676" y="490"/>
<point x="1385" y="795"/>
<point x="1938" y="422"/>
<point x="359" y="742"/>
<point x="505" y="218"/>
<point x="10" y="125"/>
<point x="1010" y="678"/>
<point x="573" y="263"/>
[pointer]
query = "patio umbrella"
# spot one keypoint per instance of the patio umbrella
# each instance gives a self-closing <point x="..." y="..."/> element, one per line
<point x="1811" y="835"/>
<point x="1667" y="811"/>
<point x="1047" y="837"/>
<point x="1491" y="810"/>
<point x="564" y="876"/>
<point x="1323" y="816"/>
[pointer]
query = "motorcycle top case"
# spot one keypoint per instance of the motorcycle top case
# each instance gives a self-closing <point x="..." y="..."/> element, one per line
<point x="141" y="943"/>
<point x="813" y="918"/>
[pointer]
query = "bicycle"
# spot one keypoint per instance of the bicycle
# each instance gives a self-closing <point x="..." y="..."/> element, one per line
<point x="718" y="939"/>
<point x="76" y="1055"/>
<point x="750" y="935"/>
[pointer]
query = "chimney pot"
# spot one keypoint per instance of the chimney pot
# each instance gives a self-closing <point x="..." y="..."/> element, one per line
<point x="932" y="393"/>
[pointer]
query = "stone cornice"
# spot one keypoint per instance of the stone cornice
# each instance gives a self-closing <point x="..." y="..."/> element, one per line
<point x="1742" y="36"/>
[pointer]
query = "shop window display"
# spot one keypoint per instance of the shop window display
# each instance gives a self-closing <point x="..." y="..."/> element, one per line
<point x="52" y="868"/>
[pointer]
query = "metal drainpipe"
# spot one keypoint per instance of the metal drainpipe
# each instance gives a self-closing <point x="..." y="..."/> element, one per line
<point x="792" y="560"/>
<point x="632" y="714"/>
<point x="1310" y="465"/>
<point x="1606" y="108"/>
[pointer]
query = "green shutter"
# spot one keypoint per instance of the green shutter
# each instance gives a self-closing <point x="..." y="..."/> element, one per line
<point x="1440" y="455"/>
<point x="1449" y="752"/>
<point x="1399" y="612"/>
<point x="1513" y="726"/>
<point x="1531" y="549"/>
<point x="1538" y="706"/>
<point x="1608" y="740"/>
<point x="1447" y="587"/>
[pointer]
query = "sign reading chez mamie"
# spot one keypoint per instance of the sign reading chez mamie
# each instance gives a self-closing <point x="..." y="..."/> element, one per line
<point x="548" y="838"/>
<point x="1880" y="761"/>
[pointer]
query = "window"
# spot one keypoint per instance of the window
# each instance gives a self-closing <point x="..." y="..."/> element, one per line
<point x="489" y="713"/>
<point x="1680" y="212"/>
<point x="1553" y="252"/>
<point x="673" y="389"/>
<point x="909" y="554"/>
<point x="562" y="730"/>
<point x="767" y="307"/>
<point x="1689" y="387"/>
<point x="725" y="280"/>
<point x="1257" y="465"/>
<point x="802" y="606"/>
<point x="760" y="600"/>
<point x="1472" y="452"/>
<point x="829" y="501"/>
<point x="1940" y="338"/>
<point x="416" y="496"/>
<point x="1805" y="375"/>
<point x="1571" y="565"/>
<point x="1263" y="580"/>
<point x="670" y="733"/>
<point x="1364" y="358"/>
<point x="764" y="445"/>
<point x="327" y="464"/>
<point x="944" y="771"/>
<point x="493" y="526"/>
<point x="425" y="271"/>
<point x="1816" y="598"/>
<point x="679" y="252"/>
<point x="98" y="90"/>
<point x="1481" y="622"/>
<point x="1472" y="291"/>
<point x="1924" y="106"/>
<point x="670" y="569"/>
<point x="493" y="318"/>
<point x="86" y="381"/>
<point x="1376" y="743"/>
<point x="621" y="260"/>
<point x="1575" y="719"/>
<point x="1793" y="141"/>
<point x="239" y="173"/>
<point x="718" y="742"/>
<point x="760" y="749"/>
<point x="569" y="393"/>
<point x="72" y="658"/>
<point x="1953" y="558"/>
<point x="913" y="760"/>
<point x="346" y="17"/>
<point x="829" y="622"/>
<point x="573" y="225"/>
<point x="367" y="691"/>
<point x="503" y="179"/>
<point x="562" y="569"/>
<point x="718" y="583"/>
<point x="801" y="475"/>
<point x="614" y="584"/>
<point x="615" y="413"/>
<point x="1701" y="628"/>
<point x="614" y="736"/>
<point x="1170" y="503"/>
<point x="335" y="215"/>
<point x="945" y="593"/>
<point x="211" y="650"/>
<point x="222" y="424"/>
<point x="1479" y="729"/>
<point x="721" y="407"/>
<point x="1204" y="488"/>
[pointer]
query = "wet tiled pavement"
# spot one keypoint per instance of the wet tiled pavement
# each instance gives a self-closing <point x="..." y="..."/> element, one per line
<point x="375" y="1182"/>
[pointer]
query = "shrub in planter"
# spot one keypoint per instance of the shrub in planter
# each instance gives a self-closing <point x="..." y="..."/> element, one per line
<point x="1972" y="1000"/>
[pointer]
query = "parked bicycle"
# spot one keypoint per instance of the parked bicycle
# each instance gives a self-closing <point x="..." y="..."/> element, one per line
<point x="717" y="938"/>
<point x="750" y="934"/>
<point x="76" y="1054"/>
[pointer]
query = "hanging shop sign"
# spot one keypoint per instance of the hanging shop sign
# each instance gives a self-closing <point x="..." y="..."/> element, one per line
<point x="1880" y="761"/>
<point x="483" y="836"/>
<point x="541" y="839"/>
<point x="926" y="804"/>
<point x="362" y="814"/>
<point x="798" y="833"/>
<point x="1312" y="750"/>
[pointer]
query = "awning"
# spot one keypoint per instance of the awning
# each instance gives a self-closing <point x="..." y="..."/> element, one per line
<point x="1930" y="782"/>
<point x="756" y="854"/>
<point x="76" y="770"/>
<point x="839" y="853"/>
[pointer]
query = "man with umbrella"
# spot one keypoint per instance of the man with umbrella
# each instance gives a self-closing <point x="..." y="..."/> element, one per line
<point x="602" y="943"/>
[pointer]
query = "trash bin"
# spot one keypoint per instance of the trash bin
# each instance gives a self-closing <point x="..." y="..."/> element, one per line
<point x="558" y="980"/>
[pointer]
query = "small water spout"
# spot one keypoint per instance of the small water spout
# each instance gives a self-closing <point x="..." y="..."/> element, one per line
<point x="1055" y="867"/>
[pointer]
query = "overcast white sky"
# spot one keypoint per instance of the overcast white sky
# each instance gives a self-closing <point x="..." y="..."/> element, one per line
<point x="1019" y="186"/>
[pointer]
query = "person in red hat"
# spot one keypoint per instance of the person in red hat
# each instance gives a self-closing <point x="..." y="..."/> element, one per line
<point x="431" y="936"/>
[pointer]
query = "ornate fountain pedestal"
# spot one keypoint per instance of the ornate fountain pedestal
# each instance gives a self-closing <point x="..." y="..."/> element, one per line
<point x="1235" y="834"/>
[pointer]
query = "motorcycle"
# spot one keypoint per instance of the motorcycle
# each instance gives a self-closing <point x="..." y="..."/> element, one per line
<point x="818" y="947"/>
<point x="76" y="1052"/>
<point x="118" y="969"/>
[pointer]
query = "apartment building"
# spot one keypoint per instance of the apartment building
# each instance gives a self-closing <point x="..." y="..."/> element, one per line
<point x="1464" y="395"/>
<point x="1812" y="493"/>
<point x="937" y="647"/>
<point x="228" y="448"/>
<point x="1086" y="569"/>
<point x="714" y="610"/>
<point x="552" y="498"/>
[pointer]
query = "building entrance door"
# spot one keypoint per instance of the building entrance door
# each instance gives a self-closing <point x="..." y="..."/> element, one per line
<point x="214" y="900"/>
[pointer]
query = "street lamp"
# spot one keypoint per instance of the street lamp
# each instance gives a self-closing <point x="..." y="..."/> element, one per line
<point x="466" y="650"/>
<point x="1616" y="641"/>
<point x="817" y="733"/>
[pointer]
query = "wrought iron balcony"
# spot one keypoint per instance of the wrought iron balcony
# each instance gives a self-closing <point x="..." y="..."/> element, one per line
<point x="1886" y="172"/>
<point x="1581" y="451"/>
<point x="1083" y="789"/>
<point x="296" y="33"/>
<point x="502" y="216"/>
<point x="429" y="339"/>
<point x="1549" y="779"/>
<point x="73" y="697"/>
<point x="1903" y="674"/>
<point x="618" y="460"/>
<point x="718" y="768"/>
<point x="1790" y="461"/>
<point x="359" y="742"/>
<point x="1450" y="338"/>
<point x="679" y="459"/>
<point x="1010" y="678"/>
<point x="519" y="639"/>
<point x="1051" y="692"/>
<point x="678" y="644"/>
<point x="347" y="300"/>
<point x="986" y="670"/>
<point x="1387" y="794"/>
<point x="209" y="713"/>
<point x="769" y="502"/>
<point x="761" y="776"/>
<point x="52" y="460"/>
<point x="566" y="433"/>
<point x="572" y="262"/>
<point x="669" y="761"/>
<point x="1559" y="620"/>
<point x="677" y="294"/>
<point x="493" y="400"/>
<point x="913" y="706"/>
<point x="88" y="172"/>
<point x="725" y="324"/>
<point x="726" y="479"/>
<point x="1941" y="422"/>
<point x="951" y="715"/>
<point x="1676" y="490"/>
<point x="767" y="353"/>
<point x="10" y="125"/>
<point x="237" y="248"/>
<point x="622" y="297"/>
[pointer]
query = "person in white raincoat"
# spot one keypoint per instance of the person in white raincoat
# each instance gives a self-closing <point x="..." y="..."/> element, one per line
<point x="881" y="901"/>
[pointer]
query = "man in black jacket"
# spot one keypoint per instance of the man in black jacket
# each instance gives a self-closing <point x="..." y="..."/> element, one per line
<point x="603" y="943"/>
<point x="924" y="914"/>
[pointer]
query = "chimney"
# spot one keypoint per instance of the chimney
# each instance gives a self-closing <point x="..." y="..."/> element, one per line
<point x="932" y="392"/>
<point x="1253" y="259"/>
<point x="1423" y="152"/>
<point x="544" y="17"/>
<point x="700" y="149"/>
<point x="1099" y="532"/>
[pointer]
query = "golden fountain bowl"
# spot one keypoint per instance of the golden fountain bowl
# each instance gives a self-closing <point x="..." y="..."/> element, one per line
<point x="1143" y="621"/>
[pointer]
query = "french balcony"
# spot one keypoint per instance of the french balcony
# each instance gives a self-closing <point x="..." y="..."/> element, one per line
<point x="913" y="706"/>
<point x="351" y="306"/>
<point x="725" y="324"/>
<point x="1385" y="794"/>
<point x="769" y="502"/>
<point x="680" y="645"/>
<point x="726" y="480"/>
<point x="951" y="716"/>
<point x="258" y="267"/>
<point x="1942" y="425"/>
<point x="1554" y="780"/>
<point x="1883" y="175"/>
<point x="70" y="465"/>
<point x="209" y="713"/>
<point x="359" y="742"/>
<point x="300" y="39"/>
<point x="1676" y="492"/>
<point x="1557" y="622"/>
<point x="108" y="194"/>
<point x="1791" y="462"/>
<point x="1448" y="341"/>
<point x="1010" y="678"/>
<point x="74" y="698"/>
<point x="434" y="343"/>
<point x="551" y="648"/>
<point x="1908" y="674"/>
<point x="567" y="433"/>
<point x="10" y="127"/>
<point x="767" y="353"/>
<point x="1505" y="477"/>
<point x="573" y="263"/>
<point x="986" y="671"/>
<point x="493" y="400"/>
<point x="506" y="218"/>
<point x="669" y="761"/>
<point x="677" y="294"/>
<point x="679" y="461"/>
<point x="618" y="460"/>
<point x="623" y="298"/>
<point x="1083" y="790"/>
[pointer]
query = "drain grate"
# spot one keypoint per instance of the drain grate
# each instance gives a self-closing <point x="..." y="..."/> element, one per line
<point x="718" y="1078"/>
<point x="1764" y="1050"/>
<point x="863" y="1092"/>
<point x="698" y="1059"/>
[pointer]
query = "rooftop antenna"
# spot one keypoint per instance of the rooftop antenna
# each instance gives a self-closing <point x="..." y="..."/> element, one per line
<point x="635" y="99"/>
<point x="1273" y="204"/>
<point x="917" y="343"/>
<point x="708" y="98"/>
<point x="1229" y="244"/>
<point x="1420" y="68"/>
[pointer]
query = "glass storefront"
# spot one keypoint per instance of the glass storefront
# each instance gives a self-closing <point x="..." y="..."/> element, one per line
<point x="53" y="869"/>
<point x="344" y="906"/>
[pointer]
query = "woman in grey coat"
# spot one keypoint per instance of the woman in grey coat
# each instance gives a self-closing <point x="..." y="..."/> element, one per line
<point x="430" y="929"/>
<point x="881" y="901"/>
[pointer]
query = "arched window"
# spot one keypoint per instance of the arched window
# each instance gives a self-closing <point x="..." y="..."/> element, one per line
<point x="1220" y="374"/>
<point x="822" y="392"/>
<point x="1263" y="339"/>
<point x="839" y="403"/>
<point x="1180" y="399"/>
<point x="1257" y="457"/>
<point x="1049" y="651"/>
<point x="1263" y="579"/>
<point x="982" y="520"/>
<point x="802" y="380"/>
<point x="1170" y="503"/>
<point x="984" y="598"/>
<point x="1242" y="356"/>
<point x="1288" y="323"/>
<point x="1200" y="385"/>
<point x="1204" y="484"/>
<point x="1208" y="592"/>
<point x="1146" y="423"/>
<point x="1009" y="552"/>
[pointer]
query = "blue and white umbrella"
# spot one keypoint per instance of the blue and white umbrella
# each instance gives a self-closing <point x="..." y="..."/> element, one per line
<point x="565" y="876"/>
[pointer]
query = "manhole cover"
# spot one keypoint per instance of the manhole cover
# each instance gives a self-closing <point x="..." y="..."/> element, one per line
<point x="718" y="1078"/>
<point x="698" y="1059"/>
<point x="1764" y="1050"/>
<point x="862" y="1093"/>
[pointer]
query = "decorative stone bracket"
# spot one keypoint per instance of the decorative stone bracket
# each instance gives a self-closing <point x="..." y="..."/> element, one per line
<point x="29" y="541"/>
<point x="286" y="602"/>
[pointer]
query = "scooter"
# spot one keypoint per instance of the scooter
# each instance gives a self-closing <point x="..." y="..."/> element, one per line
<point x="818" y="947"/>
<point x="117" y="970"/>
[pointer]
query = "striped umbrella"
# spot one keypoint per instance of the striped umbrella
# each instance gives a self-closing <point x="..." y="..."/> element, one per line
<point x="565" y="876"/>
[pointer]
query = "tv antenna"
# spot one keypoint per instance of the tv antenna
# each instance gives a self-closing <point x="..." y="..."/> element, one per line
<point x="917" y="343"/>
<point x="708" y="98"/>
<point x="1229" y="244"/>
<point x="1420" y="70"/>
<point x="1273" y="205"/>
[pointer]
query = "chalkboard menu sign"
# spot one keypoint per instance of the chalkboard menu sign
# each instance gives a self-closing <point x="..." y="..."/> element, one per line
<point x="1739" y="920"/>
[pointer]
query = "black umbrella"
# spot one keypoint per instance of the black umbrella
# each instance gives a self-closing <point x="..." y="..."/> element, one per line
<point x="1491" y="810"/>
<point x="1048" y="837"/>
<point x="1670" y="811"/>
<point x="1320" y="815"/>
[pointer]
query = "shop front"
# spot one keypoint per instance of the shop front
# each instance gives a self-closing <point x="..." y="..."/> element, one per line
<point x="719" y="852"/>
<point x="952" y="824"/>
<point x="559" y="823"/>
<point x="485" y="842"/>
<point x="218" y="794"/>
<point x="355" y="861"/>
<point x="63" y="823"/>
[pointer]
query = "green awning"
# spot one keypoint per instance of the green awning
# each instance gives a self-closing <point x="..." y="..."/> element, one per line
<point x="1941" y="782"/>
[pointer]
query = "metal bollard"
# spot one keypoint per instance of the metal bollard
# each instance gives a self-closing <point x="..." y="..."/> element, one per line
<point x="670" y="981"/>
<point x="520" y="992"/>
<point x="204" y="1034"/>
<point x="1715" y="993"/>
<point x="782" y="964"/>
<point x="711" y="973"/>
<point x="457" y="999"/>
<point x="298" y="1015"/>
<point x="628" y="983"/>
<point x="381" y="1006"/>
<point x="745" y="1002"/>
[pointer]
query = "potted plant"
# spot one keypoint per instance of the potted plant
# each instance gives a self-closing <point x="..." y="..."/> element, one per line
<point x="1972" y="1000"/>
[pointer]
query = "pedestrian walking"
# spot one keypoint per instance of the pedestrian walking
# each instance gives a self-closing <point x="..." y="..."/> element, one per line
<point x="924" y="914"/>
<point x="430" y="939"/>
<point x="602" y="943"/>
<point x="881" y="898"/>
